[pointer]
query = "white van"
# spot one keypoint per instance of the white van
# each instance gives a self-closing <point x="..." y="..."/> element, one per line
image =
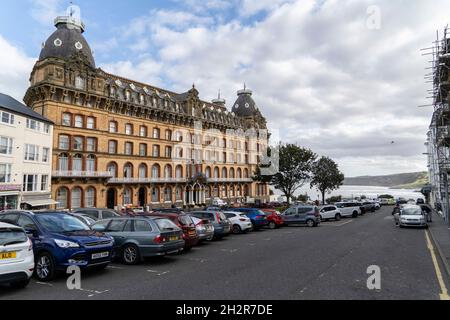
<point x="218" y="202"/>
<point x="349" y="209"/>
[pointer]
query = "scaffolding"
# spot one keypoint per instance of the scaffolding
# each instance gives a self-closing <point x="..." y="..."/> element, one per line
<point x="438" y="137"/>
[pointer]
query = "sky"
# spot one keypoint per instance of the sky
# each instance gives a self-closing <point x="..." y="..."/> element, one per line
<point x="342" y="77"/>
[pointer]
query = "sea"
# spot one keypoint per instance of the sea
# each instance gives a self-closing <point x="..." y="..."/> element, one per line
<point x="351" y="192"/>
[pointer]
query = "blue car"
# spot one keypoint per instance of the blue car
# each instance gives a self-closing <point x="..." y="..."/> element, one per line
<point x="257" y="217"/>
<point x="61" y="240"/>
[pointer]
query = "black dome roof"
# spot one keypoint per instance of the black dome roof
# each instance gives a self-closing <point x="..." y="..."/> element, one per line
<point x="66" y="41"/>
<point x="244" y="106"/>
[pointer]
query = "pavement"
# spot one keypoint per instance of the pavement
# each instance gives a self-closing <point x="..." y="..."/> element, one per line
<point x="292" y="263"/>
<point x="440" y="234"/>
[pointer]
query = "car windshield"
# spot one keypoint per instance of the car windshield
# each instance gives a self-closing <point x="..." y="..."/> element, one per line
<point x="166" y="225"/>
<point x="12" y="236"/>
<point x="411" y="211"/>
<point x="185" y="220"/>
<point x="60" y="223"/>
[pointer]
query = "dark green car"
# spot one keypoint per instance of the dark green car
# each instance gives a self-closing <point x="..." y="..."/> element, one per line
<point x="141" y="237"/>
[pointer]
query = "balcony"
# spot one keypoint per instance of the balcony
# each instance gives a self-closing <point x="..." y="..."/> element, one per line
<point x="81" y="174"/>
<point x="216" y="180"/>
<point x="146" y="180"/>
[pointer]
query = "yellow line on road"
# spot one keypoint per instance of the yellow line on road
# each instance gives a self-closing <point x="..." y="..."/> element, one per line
<point x="444" y="293"/>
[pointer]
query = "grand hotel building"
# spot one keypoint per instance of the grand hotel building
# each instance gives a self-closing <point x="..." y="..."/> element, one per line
<point x="119" y="142"/>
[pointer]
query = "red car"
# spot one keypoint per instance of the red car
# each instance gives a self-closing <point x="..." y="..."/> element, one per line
<point x="274" y="218"/>
<point x="185" y="223"/>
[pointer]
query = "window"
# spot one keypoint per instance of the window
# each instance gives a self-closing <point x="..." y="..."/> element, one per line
<point x="208" y="172"/>
<point x="33" y="125"/>
<point x="90" y="123"/>
<point x="112" y="147"/>
<point x="178" y="136"/>
<point x="178" y="194"/>
<point x="63" y="162"/>
<point x="168" y="171"/>
<point x="127" y="196"/>
<point x="78" y="143"/>
<point x="7" y="118"/>
<point x="128" y="148"/>
<point x="91" y="144"/>
<point x="113" y="127"/>
<point x="44" y="183"/>
<point x="90" y="197"/>
<point x="67" y="119"/>
<point x="143" y="131"/>
<point x="129" y="129"/>
<point x="142" y="226"/>
<point x="128" y="171"/>
<point x="45" y="155"/>
<point x="155" y="171"/>
<point x="76" y="198"/>
<point x="30" y="182"/>
<point x="6" y="145"/>
<point x="168" y="194"/>
<point x="90" y="163"/>
<point x="168" y="152"/>
<point x="46" y="128"/>
<point x="224" y="172"/>
<point x="5" y="173"/>
<point x="179" y="171"/>
<point x="156" y="133"/>
<point x="112" y="169"/>
<point x="168" y="135"/>
<point x="77" y="163"/>
<point x="155" y="195"/>
<point x="64" y="142"/>
<point x="142" y="171"/>
<point x="142" y="149"/>
<point x="155" y="152"/>
<point x="31" y="152"/>
<point x="216" y="173"/>
<point x="61" y="198"/>
<point x="116" y="226"/>
<point x="78" y="121"/>
<point x="79" y="82"/>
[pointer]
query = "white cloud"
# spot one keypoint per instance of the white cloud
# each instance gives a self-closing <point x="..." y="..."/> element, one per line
<point x="45" y="11"/>
<point x="15" y="69"/>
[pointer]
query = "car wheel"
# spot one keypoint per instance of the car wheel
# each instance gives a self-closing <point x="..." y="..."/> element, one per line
<point x="272" y="225"/>
<point x="337" y="217"/>
<point x="20" y="284"/>
<point x="45" y="267"/>
<point x="130" y="254"/>
<point x="310" y="223"/>
<point x="355" y="214"/>
<point x="237" y="229"/>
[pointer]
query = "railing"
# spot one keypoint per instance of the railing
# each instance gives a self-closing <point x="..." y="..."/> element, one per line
<point x="82" y="174"/>
<point x="147" y="180"/>
<point x="213" y="180"/>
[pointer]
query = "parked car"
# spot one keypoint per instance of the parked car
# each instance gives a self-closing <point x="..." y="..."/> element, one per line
<point x="420" y="201"/>
<point x="391" y="202"/>
<point x="304" y="214"/>
<point x="349" y="209"/>
<point x="330" y="212"/>
<point x="274" y="218"/>
<point x="410" y="216"/>
<point x="257" y="217"/>
<point x="368" y="206"/>
<point x="16" y="256"/>
<point x="377" y="205"/>
<point x="171" y="210"/>
<point x="60" y="240"/>
<point x="217" y="202"/>
<point x="212" y="208"/>
<point x="97" y="214"/>
<point x="185" y="223"/>
<point x="240" y="222"/>
<point x="88" y="220"/>
<point x="428" y="210"/>
<point x="384" y="201"/>
<point x="222" y="226"/>
<point x="140" y="237"/>
<point x="205" y="229"/>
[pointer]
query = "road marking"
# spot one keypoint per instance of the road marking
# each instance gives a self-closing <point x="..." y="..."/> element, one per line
<point x="201" y="260"/>
<point x="334" y="224"/>
<point x="114" y="267"/>
<point x="44" y="284"/>
<point x="444" y="293"/>
<point x="158" y="273"/>
<point x="229" y="250"/>
<point x="93" y="292"/>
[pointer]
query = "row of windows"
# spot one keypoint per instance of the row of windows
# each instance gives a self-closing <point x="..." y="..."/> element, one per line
<point x="77" y="197"/>
<point x="32" y="124"/>
<point x="31" y="151"/>
<point x="34" y="183"/>
<point x="78" y="121"/>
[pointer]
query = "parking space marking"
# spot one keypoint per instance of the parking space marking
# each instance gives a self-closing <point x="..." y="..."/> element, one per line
<point x="44" y="283"/>
<point x="267" y="239"/>
<point x="229" y="250"/>
<point x="158" y="273"/>
<point x="92" y="293"/>
<point x="201" y="260"/>
<point x="114" y="267"/>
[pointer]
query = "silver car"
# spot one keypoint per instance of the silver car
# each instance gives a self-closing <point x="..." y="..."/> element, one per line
<point x="204" y="228"/>
<point x="410" y="216"/>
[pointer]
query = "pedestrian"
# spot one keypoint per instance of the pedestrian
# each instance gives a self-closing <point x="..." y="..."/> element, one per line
<point x="396" y="209"/>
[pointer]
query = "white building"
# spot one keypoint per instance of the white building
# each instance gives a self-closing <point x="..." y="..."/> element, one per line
<point x="26" y="140"/>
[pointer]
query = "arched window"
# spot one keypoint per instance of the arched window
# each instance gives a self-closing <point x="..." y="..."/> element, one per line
<point x="155" y="195"/>
<point x="62" y="197"/>
<point x="207" y="192"/>
<point x="143" y="171"/>
<point x="155" y="171"/>
<point x="127" y="197"/>
<point x="179" y="171"/>
<point x="77" y="163"/>
<point x="216" y="172"/>
<point x="112" y="168"/>
<point x="168" y="171"/>
<point x="208" y="172"/>
<point x="76" y="198"/>
<point x="231" y="172"/>
<point x="128" y="171"/>
<point x="63" y="162"/>
<point x="168" y="194"/>
<point x="90" y="197"/>
<point x="232" y="191"/>
<point x="224" y="172"/>
<point x="169" y="135"/>
<point x="245" y="173"/>
<point x="90" y="163"/>
<point x="143" y="131"/>
<point x="90" y="122"/>
<point x="156" y="133"/>
<point x="113" y="126"/>
<point x="239" y="173"/>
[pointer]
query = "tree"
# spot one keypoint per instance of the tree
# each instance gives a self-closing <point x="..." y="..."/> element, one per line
<point x="386" y="196"/>
<point x="334" y="199"/>
<point x="294" y="169"/>
<point x="326" y="176"/>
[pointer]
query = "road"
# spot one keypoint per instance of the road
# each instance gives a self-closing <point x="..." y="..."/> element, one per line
<point x="328" y="262"/>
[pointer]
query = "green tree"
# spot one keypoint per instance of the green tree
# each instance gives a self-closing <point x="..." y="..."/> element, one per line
<point x="334" y="199"/>
<point x="386" y="196"/>
<point x="326" y="176"/>
<point x="294" y="169"/>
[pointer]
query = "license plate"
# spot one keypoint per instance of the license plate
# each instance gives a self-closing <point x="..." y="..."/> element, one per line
<point x="173" y="238"/>
<point x="8" y="255"/>
<point x="100" y="255"/>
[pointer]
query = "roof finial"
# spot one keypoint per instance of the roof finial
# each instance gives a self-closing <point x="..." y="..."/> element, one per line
<point x="219" y="95"/>
<point x="245" y="86"/>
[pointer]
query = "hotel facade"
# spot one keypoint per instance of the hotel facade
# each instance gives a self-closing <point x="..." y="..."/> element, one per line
<point x="119" y="142"/>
